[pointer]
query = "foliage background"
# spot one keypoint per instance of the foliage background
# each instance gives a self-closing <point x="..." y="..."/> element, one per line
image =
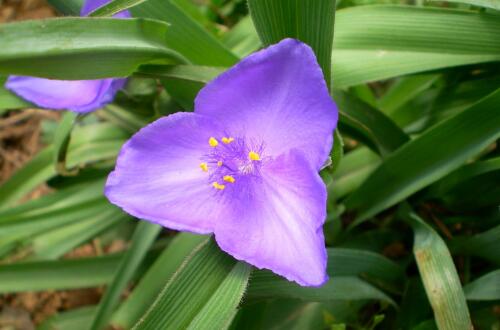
<point x="414" y="189"/>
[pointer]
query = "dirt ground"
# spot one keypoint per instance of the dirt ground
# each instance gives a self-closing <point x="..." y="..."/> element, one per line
<point x="20" y="130"/>
<point x="15" y="10"/>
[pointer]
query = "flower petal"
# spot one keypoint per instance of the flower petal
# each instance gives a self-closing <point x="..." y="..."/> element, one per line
<point x="158" y="175"/>
<point x="277" y="95"/>
<point x="91" y="5"/>
<point x="279" y="227"/>
<point x="76" y="95"/>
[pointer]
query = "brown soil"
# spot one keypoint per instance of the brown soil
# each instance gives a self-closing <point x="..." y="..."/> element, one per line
<point x="16" y="10"/>
<point x="23" y="311"/>
<point x="20" y="138"/>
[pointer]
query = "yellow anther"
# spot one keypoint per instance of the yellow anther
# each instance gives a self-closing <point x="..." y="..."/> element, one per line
<point x="227" y="140"/>
<point x="218" y="186"/>
<point x="229" y="178"/>
<point x="204" y="167"/>
<point x="213" y="142"/>
<point x="252" y="155"/>
<point x="219" y="163"/>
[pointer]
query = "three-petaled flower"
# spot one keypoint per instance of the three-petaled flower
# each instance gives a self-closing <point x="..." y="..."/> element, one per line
<point x="80" y="96"/>
<point x="244" y="165"/>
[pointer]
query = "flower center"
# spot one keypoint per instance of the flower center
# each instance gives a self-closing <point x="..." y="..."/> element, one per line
<point x="231" y="160"/>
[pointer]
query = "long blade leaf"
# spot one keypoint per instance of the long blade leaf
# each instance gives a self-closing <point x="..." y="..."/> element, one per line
<point x="423" y="161"/>
<point x="440" y="278"/>
<point x="82" y="48"/>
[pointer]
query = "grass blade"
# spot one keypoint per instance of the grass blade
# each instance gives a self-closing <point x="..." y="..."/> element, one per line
<point x="422" y="161"/>
<point x="493" y="4"/>
<point x="440" y="278"/>
<point x="189" y="289"/>
<point x="142" y="239"/>
<point x="62" y="137"/>
<point x="114" y="7"/>
<point x="155" y="279"/>
<point x="379" y="42"/>
<point x="82" y="48"/>
<point x="486" y="287"/>
<point x="338" y="288"/>
<point x="221" y="308"/>
<point x="185" y="35"/>
<point x="310" y="22"/>
<point x="368" y="124"/>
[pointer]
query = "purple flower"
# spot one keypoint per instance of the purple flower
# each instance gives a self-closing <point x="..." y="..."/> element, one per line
<point x="75" y="95"/>
<point x="244" y="165"/>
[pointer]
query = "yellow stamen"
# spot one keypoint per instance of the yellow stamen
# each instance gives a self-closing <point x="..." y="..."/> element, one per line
<point x="218" y="186"/>
<point x="229" y="178"/>
<point x="252" y="155"/>
<point x="227" y="140"/>
<point x="219" y="163"/>
<point x="204" y="167"/>
<point x="213" y="142"/>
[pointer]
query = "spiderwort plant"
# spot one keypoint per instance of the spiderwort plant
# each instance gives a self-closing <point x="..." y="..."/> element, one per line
<point x="80" y="96"/>
<point x="244" y="165"/>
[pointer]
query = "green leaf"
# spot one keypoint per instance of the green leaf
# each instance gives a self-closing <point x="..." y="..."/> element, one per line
<point x="67" y="7"/>
<point x="311" y="22"/>
<point x="493" y="4"/>
<point x="221" y="308"/>
<point x="129" y="121"/>
<point x="368" y="124"/>
<point x="422" y="161"/>
<point x="83" y="48"/>
<point x="453" y="99"/>
<point x="440" y="278"/>
<point x="9" y="100"/>
<point x="189" y="73"/>
<point x="374" y="42"/>
<point x="414" y="296"/>
<point x="242" y="39"/>
<point x="337" y="151"/>
<point x="472" y="186"/>
<point x="90" y="143"/>
<point x="344" y="267"/>
<point x="114" y="7"/>
<point x="182" y="82"/>
<point x="74" y="319"/>
<point x="143" y="238"/>
<point x="155" y="279"/>
<point x="484" y="288"/>
<point x="62" y="137"/>
<point x="356" y="166"/>
<point x="484" y="245"/>
<point x="66" y="274"/>
<point x="82" y="194"/>
<point x="185" y="35"/>
<point x="193" y="285"/>
<point x="405" y="89"/>
<point x="369" y="265"/>
<point x="338" y="288"/>
<point x="68" y="206"/>
<point x="61" y="240"/>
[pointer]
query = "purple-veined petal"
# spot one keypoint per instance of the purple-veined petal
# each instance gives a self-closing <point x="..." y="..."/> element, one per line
<point x="76" y="95"/>
<point x="91" y="5"/>
<point x="277" y="95"/>
<point x="279" y="225"/>
<point x="158" y="176"/>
